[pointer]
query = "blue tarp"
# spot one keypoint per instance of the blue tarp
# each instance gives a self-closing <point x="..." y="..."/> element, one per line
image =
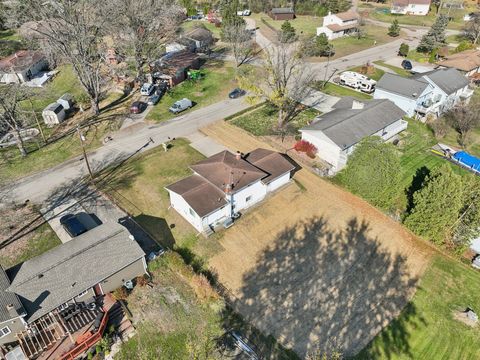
<point x="467" y="160"/>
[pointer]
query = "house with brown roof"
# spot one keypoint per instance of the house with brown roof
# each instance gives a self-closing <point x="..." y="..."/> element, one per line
<point x="467" y="62"/>
<point x="282" y="13"/>
<point x="172" y="67"/>
<point x="338" y="25"/>
<point x="21" y="66"/>
<point x="226" y="183"/>
<point x="410" y="7"/>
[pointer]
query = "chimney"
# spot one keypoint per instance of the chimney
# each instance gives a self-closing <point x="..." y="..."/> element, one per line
<point x="329" y="13"/>
<point x="238" y="155"/>
<point x="12" y="311"/>
<point x="228" y="188"/>
<point x="357" y="105"/>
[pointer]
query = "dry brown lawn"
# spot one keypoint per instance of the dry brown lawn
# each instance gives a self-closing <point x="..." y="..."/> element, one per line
<point x="314" y="264"/>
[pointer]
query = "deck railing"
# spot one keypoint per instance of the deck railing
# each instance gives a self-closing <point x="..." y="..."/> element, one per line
<point x="87" y="343"/>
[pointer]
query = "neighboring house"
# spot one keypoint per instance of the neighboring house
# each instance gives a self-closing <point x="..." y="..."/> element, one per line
<point x="35" y="295"/>
<point x="410" y="7"/>
<point x="336" y="133"/>
<point x="224" y="184"/>
<point x="173" y="67"/>
<point x="282" y="14"/>
<point x="467" y="62"/>
<point x="66" y="100"/>
<point x="338" y="25"/>
<point x="201" y="37"/>
<point x="431" y="93"/>
<point x="53" y="114"/>
<point x="175" y="47"/>
<point x="21" y="66"/>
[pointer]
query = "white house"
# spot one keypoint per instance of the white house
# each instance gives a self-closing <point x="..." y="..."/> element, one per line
<point x="224" y="184"/>
<point x="53" y="114"/>
<point x="21" y="66"/>
<point x="66" y="100"/>
<point x="431" y="93"/>
<point x="338" y="25"/>
<point x="410" y="7"/>
<point x="336" y="133"/>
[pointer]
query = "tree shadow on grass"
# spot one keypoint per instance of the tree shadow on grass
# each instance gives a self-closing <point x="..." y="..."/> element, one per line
<point x="417" y="183"/>
<point x="315" y="284"/>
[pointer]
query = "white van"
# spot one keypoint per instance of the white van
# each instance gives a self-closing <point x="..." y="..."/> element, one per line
<point x="181" y="105"/>
<point x="147" y="89"/>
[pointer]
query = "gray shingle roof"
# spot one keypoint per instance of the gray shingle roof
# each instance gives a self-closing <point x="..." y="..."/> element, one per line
<point x="396" y="84"/>
<point x="449" y="80"/>
<point x="55" y="107"/>
<point x="346" y="127"/>
<point x="51" y="279"/>
<point x="7" y="298"/>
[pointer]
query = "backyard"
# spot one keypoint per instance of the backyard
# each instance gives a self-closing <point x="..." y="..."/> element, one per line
<point x="304" y="25"/>
<point x="218" y="81"/>
<point x="427" y="328"/>
<point x="337" y="90"/>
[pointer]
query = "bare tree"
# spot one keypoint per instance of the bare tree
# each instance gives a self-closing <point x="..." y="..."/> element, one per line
<point x="142" y="27"/>
<point x="240" y="41"/>
<point x="472" y="28"/>
<point x="74" y="30"/>
<point x="11" y="117"/>
<point x="464" y="118"/>
<point x="286" y="81"/>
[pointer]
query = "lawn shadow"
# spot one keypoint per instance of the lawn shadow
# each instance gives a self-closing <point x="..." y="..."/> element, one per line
<point x="157" y="226"/>
<point x="417" y="183"/>
<point x="315" y="285"/>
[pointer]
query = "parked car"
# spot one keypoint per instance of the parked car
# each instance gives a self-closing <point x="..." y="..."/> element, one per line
<point x="407" y="65"/>
<point x="147" y="89"/>
<point x="236" y="93"/>
<point x="72" y="225"/>
<point x="247" y="13"/>
<point x="154" y="99"/>
<point x="161" y="88"/>
<point x="181" y="105"/>
<point x="137" y="107"/>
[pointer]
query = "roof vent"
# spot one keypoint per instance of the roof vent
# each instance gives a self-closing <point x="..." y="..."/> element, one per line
<point x="131" y="237"/>
<point x="414" y="94"/>
<point x="40" y="276"/>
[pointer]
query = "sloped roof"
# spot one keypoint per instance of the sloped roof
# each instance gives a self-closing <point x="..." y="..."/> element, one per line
<point x="224" y="169"/>
<point x="58" y="275"/>
<point x="408" y="2"/>
<point x="283" y="11"/>
<point x="449" y="80"/>
<point x="55" y="107"/>
<point x="397" y="84"/>
<point x="348" y="15"/>
<point x="21" y="60"/>
<point x="271" y="162"/>
<point x="337" y="28"/>
<point x="7" y="298"/>
<point x="465" y="61"/>
<point x="203" y="197"/>
<point x="346" y="127"/>
<point x="200" y="34"/>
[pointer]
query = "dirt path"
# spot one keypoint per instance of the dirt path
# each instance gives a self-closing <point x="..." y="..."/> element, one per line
<point x="313" y="262"/>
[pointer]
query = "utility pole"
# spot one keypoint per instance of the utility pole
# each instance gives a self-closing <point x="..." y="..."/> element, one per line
<point x="82" y="139"/>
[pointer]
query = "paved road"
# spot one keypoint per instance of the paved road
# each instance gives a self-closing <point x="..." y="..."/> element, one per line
<point x="38" y="187"/>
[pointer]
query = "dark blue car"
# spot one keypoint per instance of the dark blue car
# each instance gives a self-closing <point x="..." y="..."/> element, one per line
<point x="407" y="64"/>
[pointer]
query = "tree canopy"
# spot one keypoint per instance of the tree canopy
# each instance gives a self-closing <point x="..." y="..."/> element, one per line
<point x="435" y="36"/>
<point x="373" y="171"/>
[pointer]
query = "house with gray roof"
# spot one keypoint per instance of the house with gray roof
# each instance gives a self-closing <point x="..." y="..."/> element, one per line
<point x="431" y="93"/>
<point x="38" y="291"/>
<point x="336" y="133"/>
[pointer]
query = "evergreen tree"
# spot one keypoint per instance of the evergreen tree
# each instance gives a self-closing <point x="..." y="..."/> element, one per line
<point x="394" y="29"/>
<point x="436" y="206"/>
<point x="322" y="47"/>
<point x="403" y="50"/>
<point x="287" y="33"/>
<point x="228" y="10"/>
<point x="435" y="36"/>
<point x="373" y="172"/>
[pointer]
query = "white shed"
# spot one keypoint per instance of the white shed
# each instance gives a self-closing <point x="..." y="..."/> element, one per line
<point x="66" y="100"/>
<point x="53" y="114"/>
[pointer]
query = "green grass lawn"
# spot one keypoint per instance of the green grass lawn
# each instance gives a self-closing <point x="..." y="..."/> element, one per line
<point x="382" y="14"/>
<point x="426" y="329"/>
<point x="418" y="56"/>
<point x="262" y="121"/>
<point x="337" y="90"/>
<point x="10" y="42"/>
<point x="304" y="25"/>
<point x="398" y="70"/>
<point x="219" y="80"/>
<point x="376" y="75"/>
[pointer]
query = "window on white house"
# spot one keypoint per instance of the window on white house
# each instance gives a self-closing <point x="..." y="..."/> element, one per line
<point x="191" y="211"/>
<point x="248" y="198"/>
<point x="63" y="306"/>
<point x="5" y="331"/>
<point x="83" y="293"/>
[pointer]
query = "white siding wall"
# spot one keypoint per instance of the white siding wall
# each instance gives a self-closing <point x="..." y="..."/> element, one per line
<point x="326" y="148"/>
<point x="407" y="105"/>
<point x="216" y="216"/>
<point x="278" y="182"/>
<point x="249" y="196"/>
<point x="326" y="31"/>
<point x="178" y="203"/>
<point x="51" y="118"/>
